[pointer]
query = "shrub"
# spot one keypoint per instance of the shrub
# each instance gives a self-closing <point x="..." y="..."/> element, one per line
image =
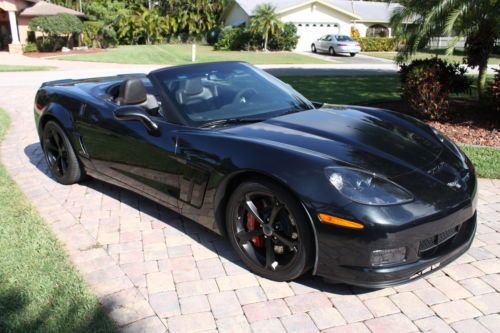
<point x="286" y="40"/>
<point x="493" y="92"/>
<point x="30" y="47"/>
<point x="55" y="26"/>
<point x="235" y="39"/>
<point x="50" y="44"/>
<point x="427" y="84"/>
<point x="60" y="24"/>
<point x="90" y="33"/>
<point x="376" y="44"/>
<point x="96" y="34"/>
<point x="213" y="35"/>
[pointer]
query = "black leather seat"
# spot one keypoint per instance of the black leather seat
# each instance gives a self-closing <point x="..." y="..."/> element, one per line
<point x="133" y="92"/>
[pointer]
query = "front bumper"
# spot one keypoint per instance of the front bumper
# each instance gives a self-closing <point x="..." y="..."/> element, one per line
<point x="344" y="255"/>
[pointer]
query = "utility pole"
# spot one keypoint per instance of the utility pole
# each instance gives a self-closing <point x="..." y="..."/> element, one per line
<point x="81" y="9"/>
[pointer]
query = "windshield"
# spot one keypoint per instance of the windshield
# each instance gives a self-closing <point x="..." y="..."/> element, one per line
<point x="343" y="38"/>
<point x="216" y="91"/>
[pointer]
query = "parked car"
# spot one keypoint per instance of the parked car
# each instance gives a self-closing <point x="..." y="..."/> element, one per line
<point x="360" y="195"/>
<point x="335" y="44"/>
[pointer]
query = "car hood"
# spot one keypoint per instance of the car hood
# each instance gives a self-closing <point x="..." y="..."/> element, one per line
<point x="371" y="139"/>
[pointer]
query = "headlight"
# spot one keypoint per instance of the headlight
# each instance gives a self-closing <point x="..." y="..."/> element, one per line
<point x="366" y="188"/>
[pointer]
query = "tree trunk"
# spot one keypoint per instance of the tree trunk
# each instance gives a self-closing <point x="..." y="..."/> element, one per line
<point x="481" y="80"/>
<point x="266" y="37"/>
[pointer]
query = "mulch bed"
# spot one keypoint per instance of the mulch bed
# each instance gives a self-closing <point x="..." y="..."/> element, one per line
<point x="58" y="54"/>
<point x="466" y="121"/>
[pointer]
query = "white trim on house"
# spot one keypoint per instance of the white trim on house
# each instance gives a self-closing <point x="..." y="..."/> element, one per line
<point x="324" y="3"/>
<point x="13" y="28"/>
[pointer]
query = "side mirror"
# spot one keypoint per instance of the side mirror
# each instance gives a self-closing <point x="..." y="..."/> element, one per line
<point x="131" y="112"/>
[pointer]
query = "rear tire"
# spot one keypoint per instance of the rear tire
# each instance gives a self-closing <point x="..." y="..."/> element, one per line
<point x="332" y="52"/>
<point x="353" y="54"/>
<point x="313" y="48"/>
<point x="279" y="249"/>
<point x="59" y="155"/>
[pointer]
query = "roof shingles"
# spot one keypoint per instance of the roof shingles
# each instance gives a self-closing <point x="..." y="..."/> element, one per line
<point x="367" y="10"/>
<point x="43" y="8"/>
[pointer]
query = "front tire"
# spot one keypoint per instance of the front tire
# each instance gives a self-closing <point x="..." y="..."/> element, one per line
<point x="269" y="230"/>
<point x="353" y="54"/>
<point x="313" y="48"/>
<point x="59" y="155"/>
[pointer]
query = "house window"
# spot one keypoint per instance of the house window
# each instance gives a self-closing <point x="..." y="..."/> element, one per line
<point x="377" y="30"/>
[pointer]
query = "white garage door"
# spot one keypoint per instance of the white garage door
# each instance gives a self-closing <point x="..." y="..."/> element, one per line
<point x="309" y="32"/>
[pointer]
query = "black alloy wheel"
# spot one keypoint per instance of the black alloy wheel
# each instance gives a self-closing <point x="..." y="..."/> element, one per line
<point x="59" y="154"/>
<point x="269" y="230"/>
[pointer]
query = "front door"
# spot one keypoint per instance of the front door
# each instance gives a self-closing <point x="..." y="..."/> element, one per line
<point x="5" y="37"/>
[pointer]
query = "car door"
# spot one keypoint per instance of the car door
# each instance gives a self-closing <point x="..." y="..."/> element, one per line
<point x="321" y="43"/>
<point x="131" y="156"/>
<point x="331" y="42"/>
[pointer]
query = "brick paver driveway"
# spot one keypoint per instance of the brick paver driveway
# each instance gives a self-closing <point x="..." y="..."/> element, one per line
<point x="154" y="271"/>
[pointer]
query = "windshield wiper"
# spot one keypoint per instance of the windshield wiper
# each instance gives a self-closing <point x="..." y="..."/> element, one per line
<point x="231" y="121"/>
<point x="294" y="110"/>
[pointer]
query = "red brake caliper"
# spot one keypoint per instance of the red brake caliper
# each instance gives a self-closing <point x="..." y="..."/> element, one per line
<point x="253" y="224"/>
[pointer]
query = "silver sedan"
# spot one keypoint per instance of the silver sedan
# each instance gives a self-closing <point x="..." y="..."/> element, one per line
<point x="334" y="44"/>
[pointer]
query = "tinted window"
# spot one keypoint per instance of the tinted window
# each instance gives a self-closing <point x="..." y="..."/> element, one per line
<point x="343" y="38"/>
<point x="215" y="91"/>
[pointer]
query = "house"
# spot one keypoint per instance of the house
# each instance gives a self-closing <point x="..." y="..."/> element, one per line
<point x="15" y="16"/>
<point x="316" y="18"/>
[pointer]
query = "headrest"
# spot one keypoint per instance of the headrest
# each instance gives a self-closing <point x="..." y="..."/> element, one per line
<point x="193" y="86"/>
<point x="132" y="91"/>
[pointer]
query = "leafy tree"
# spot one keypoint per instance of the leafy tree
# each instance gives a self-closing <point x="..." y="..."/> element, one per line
<point x="60" y="24"/>
<point x="265" y="21"/>
<point x="151" y="25"/>
<point x="476" y="20"/>
<point x="192" y="17"/>
<point x="56" y="26"/>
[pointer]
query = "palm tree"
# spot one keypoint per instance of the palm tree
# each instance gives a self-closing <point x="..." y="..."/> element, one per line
<point x="476" y="20"/>
<point x="265" y="21"/>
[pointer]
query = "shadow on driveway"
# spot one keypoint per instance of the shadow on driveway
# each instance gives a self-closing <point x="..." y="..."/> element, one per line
<point x="182" y="224"/>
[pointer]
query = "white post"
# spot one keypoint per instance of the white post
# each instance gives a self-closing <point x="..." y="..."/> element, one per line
<point x="193" y="53"/>
<point x="13" y="28"/>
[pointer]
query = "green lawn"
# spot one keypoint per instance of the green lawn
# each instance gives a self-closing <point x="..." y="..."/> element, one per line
<point x="16" y="68"/>
<point x="40" y="291"/>
<point x="175" y="54"/>
<point x="346" y="89"/>
<point x="356" y="89"/>
<point x="486" y="160"/>
<point x="456" y="57"/>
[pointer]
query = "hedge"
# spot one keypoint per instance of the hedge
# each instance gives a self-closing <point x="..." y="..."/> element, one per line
<point x="376" y="44"/>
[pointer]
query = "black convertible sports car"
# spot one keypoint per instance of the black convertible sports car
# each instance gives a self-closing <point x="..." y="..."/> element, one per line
<point x="359" y="195"/>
